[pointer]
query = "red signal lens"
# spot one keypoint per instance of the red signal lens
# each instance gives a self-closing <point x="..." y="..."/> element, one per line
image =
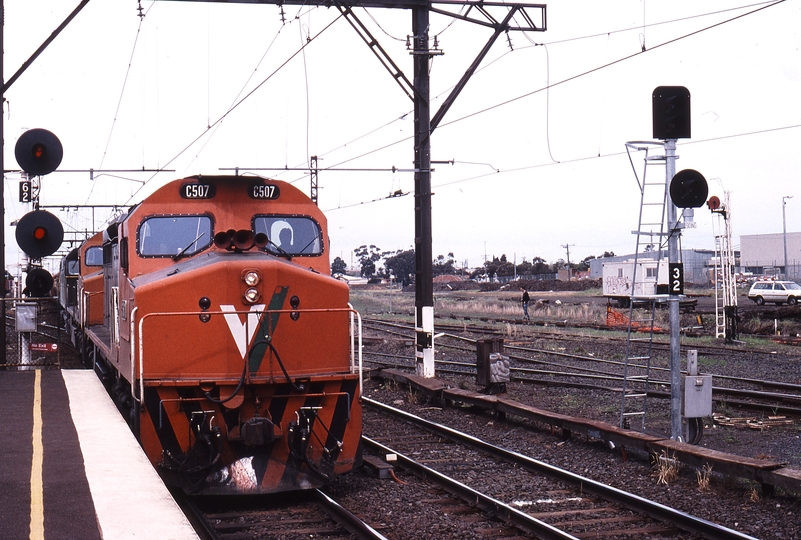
<point x="39" y="233"/>
<point x="39" y="151"/>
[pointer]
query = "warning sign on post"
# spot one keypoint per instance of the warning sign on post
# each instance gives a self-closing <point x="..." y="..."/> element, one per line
<point x="44" y="347"/>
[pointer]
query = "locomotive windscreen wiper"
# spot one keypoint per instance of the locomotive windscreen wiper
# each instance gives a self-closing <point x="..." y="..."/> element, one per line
<point x="192" y="243"/>
<point x="313" y="240"/>
<point x="280" y="250"/>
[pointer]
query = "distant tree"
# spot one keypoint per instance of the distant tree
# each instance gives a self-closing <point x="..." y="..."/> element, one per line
<point x="506" y="268"/>
<point x="442" y="266"/>
<point x="400" y="264"/>
<point x="540" y="266"/>
<point x="491" y="267"/>
<point x="338" y="266"/>
<point x="478" y="273"/>
<point x="525" y="268"/>
<point x="499" y="267"/>
<point x="608" y="254"/>
<point x="584" y="265"/>
<point x="367" y="256"/>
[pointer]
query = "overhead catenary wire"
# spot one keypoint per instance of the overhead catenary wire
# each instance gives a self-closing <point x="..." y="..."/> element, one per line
<point x="548" y="86"/>
<point x="122" y="91"/>
<point x="244" y="98"/>
<point x="501" y="104"/>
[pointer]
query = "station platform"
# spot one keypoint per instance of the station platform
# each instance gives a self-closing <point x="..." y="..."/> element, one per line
<point x="71" y="468"/>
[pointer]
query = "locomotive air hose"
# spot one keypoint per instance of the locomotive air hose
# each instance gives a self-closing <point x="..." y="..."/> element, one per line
<point x="267" y="342"/>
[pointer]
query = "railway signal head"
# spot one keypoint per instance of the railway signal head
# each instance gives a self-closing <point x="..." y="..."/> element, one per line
<point x="688" y="189"/>
<point x="671" y="112"/>
<point x="39" y="234"/>
<point x="39" y="283"/>
<point x="38" y="152"/>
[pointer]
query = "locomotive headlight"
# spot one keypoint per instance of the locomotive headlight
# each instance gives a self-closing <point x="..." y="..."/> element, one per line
<point x="252" y="295"/>
<point x="251" y="278"/>
<point x="204" y="304"/>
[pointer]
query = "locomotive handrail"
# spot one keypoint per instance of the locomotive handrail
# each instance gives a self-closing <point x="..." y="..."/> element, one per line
<point x="85" y="304"/>
<point x="140" y="345"/>
<point x="359" y="349"/>
<point x="133" y="359"/>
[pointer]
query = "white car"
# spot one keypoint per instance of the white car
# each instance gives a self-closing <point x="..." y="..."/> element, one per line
<point x="775" y="292"/>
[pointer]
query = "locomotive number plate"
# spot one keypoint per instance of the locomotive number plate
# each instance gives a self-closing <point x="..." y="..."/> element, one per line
<point x="197" y="191"/>
<point x="264" y="191"/>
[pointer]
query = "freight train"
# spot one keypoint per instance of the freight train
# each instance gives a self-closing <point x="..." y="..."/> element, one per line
<point x="210" y="313"/>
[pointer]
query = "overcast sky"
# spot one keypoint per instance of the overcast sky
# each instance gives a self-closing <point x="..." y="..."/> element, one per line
<point x="200" y="87"/>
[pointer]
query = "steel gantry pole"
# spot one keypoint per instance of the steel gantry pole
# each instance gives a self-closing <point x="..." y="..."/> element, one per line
<point x="423" y="255"/>
<point x="674" y="232"/>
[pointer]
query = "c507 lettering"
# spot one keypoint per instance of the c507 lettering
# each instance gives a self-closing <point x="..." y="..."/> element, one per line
<point x="264" y="191"/>
<point x="197" y="191"/>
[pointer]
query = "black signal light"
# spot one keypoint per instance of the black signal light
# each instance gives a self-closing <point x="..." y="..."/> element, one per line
<point x="671" y="112"/>
<point x="38" y="152"/>
<point x="688" y="189"/>
<point x="38" y="283"/>
<point x="39" y="234"/>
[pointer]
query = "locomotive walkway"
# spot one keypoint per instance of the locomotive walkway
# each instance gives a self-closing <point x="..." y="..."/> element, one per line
<point x="71" y="467"/>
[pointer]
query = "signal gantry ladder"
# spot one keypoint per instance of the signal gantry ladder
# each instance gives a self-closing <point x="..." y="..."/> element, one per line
<point x="724" y="279"/>
<point x="650" y="233"/>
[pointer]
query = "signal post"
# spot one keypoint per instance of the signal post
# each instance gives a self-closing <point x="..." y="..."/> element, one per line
<point x="688" y="189"/>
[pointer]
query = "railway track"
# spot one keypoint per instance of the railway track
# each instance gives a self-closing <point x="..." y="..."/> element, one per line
<point x="538" y="498"/>
<point x="542" y="365"/>
<point x="294" y="516"/>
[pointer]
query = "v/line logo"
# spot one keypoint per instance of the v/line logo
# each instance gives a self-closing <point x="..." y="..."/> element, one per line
<point x="242" y="331"/>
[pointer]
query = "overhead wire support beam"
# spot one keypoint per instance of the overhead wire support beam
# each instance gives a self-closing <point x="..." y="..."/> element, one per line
<point x="43" y="46"/>
<point x="378" y="51"/>
<point x="490" y="21"/>
<point x="499" y="29"/>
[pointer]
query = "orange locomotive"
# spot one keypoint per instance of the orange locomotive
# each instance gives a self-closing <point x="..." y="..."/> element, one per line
<point x="225" y="339"/>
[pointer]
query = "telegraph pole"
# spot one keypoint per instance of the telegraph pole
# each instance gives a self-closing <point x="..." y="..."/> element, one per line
<point x="567" y="247"/>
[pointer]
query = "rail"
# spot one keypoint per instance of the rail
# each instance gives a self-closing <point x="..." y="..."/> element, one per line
<point x="654" y="509"/>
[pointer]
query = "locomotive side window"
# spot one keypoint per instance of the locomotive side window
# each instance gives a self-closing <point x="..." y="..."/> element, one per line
<point x="172" y="236"/>
<point x="290" y="235"/>
<point x="93" y="256"/>
<point x="72" y="268"/>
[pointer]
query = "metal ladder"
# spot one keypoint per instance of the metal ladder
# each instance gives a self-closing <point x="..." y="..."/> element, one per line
<point x="725" y="282"/>
<point x="650" y="232"/>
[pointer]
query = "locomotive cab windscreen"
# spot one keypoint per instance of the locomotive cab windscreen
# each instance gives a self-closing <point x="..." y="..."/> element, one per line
<point x="290" y="235"/>
<point x="172" y="236"/>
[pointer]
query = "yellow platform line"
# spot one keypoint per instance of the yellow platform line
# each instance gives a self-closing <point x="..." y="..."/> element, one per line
<point x="37" y="490"/>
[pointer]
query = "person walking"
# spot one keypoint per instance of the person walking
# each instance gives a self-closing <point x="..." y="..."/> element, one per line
<point x="525" y="301"/>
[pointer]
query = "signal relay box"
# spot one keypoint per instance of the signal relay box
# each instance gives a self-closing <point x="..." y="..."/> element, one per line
<point x="697" y="396"/>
